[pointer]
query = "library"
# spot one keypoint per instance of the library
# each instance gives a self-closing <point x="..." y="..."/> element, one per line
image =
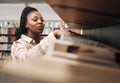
<point x="59" y="41"/>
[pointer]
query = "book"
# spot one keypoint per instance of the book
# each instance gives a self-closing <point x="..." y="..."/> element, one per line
<point x="81" y="52"/>
<point x="80" y="39"/>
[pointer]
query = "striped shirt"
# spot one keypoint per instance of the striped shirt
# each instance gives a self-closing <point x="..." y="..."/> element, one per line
<point x="25" y="47"/>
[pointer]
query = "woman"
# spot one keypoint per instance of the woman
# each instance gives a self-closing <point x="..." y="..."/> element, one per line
<point x="28" y="43"/>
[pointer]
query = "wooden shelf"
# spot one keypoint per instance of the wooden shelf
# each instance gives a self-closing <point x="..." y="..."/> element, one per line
<point x="6" y="42"/>
<point x="7" y="34"/>
<point x="5" y="50"/>
<point x="95" y="13"/>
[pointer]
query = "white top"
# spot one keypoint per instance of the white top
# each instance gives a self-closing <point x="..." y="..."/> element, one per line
<point x="25" y="47"/>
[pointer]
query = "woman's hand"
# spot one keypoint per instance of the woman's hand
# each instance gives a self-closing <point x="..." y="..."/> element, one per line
<point x="58" y="33"/>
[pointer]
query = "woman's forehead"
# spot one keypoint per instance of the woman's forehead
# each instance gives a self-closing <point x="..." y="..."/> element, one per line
<point x="34" y="14"/>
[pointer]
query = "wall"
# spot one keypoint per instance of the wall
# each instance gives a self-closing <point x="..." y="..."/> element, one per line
<point x="13" y="11"/>
<point x="10" y="11"/>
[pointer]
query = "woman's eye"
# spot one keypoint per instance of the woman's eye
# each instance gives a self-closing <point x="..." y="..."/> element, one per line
<point x="42" y="20"/>
<point x="37" y="20"/>
<point x="34" y="19"/>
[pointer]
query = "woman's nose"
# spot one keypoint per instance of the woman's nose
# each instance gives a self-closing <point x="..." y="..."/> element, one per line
<point x="40" y="21"/>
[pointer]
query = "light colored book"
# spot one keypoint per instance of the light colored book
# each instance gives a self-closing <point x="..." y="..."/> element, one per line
<point x="4" y="38"/>
<point x="4" y="47"/>
<point x="8" y="46"/>
<point x="79" y="39"/>
<point x="81" y="52"/>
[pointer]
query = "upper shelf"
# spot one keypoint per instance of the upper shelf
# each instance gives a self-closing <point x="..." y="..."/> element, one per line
<point x="87" y="13"/>
<point x="83" y="13"/>
<point x="20" y="1"/>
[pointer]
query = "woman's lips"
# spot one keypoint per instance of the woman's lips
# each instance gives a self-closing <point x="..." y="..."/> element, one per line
<point x="41" y="27"/>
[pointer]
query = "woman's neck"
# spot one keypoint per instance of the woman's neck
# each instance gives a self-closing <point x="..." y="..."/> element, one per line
<point x="34" y="36"/>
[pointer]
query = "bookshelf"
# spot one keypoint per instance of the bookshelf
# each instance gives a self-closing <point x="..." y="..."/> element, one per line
<point x="7" y="36"/>
<point x="6" y="40"/>
<point x="51" y="25"/>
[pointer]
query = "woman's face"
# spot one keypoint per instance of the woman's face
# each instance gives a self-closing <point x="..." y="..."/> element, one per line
<point x="35" y="22"/>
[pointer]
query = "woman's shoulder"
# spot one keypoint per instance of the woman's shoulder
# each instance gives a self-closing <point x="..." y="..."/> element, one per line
<point x="17" y="42"/>
<point x="24" y="39"/>
<point x="20" y="44"/>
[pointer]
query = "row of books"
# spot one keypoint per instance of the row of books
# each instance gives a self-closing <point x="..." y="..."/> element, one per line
<point x="9" y="39"/>
<point x="9" y="23"/>
<point x="7" y="30"/>
<point x="4" y="54"/>
<point x="79" y="39"/>
<point x="5" y="47"/>
<point x="48" y="23"/>
<point x="11" y="31"/>
<point x="78" y="51"/>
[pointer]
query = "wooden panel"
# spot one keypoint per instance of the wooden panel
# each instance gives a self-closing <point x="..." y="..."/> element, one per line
<point x="88" y="12"/>
<point x="20" y="1"/>
<point x="84" y="18"/>
<point x="108" y="6"/>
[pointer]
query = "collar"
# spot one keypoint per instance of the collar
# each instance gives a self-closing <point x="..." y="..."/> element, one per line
<point x="27" y="39"/>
